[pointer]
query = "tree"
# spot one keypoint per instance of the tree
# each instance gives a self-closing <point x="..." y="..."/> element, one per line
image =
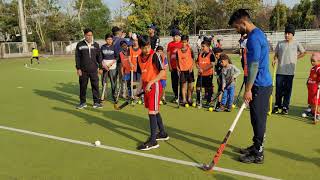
<point x="278" y="18"/>
<point x="231" y="5"/>
<point x="316" y="12"/>
<point x="209" y="15"/>
<point x="93" y="14"/>
<point x="301" y="15"/>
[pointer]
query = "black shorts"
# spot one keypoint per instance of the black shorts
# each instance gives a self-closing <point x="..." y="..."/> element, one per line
<point x="206" y="81"/>
<point x="186" y="76"/>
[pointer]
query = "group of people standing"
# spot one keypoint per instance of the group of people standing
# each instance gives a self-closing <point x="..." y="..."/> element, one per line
<point x="142" y="60"/>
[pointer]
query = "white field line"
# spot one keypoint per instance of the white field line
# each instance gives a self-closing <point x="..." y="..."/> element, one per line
<point x="162" y="158"/>
<point x="49" y="70"/>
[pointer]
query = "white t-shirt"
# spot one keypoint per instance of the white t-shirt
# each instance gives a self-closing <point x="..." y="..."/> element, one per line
<point x="109" y="62"/>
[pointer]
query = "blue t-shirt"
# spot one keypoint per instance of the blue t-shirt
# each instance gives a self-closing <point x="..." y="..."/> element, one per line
<point x="258" y="51"/>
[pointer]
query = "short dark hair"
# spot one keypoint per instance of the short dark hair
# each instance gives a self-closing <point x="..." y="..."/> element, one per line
<point x="108" y="35"/>
<point x="87" y="30"/>
<point x="115" y="29"/>
<point x="239" y="14"/>
<point x="207" y="43"/>
<point x="184" y="37"/>
<point x="225" y="57"/>
<point x="217" y="50"/>
<point x="123" y="42"/>
<point x="160" y="48"/>
<point x="144" y="41"/>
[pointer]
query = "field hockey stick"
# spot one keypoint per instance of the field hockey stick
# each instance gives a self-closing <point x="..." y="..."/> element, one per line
<point x="219" y="93"/>
<point x="273" y="85"/>
<point x="200" y="105"/>
<point x="131" y="84"/>
<point x="316" y="110"/>
<point x="179" y="89"/>
<point x="104" y="85"/>
<point x="126" y="103"/>
<point x="238" y="97"/>
<point x="217" y="156"/>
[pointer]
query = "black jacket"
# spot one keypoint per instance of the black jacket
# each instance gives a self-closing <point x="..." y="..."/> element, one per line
<point x="88" y="60"/>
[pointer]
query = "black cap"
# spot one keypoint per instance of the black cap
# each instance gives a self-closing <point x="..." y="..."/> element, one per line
<point x="175" y="32"/>
<point x="290" y="29"/>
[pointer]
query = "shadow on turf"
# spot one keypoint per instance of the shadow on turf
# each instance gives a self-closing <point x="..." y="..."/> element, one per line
<point x="70" y="89"/>
<point x="295" y="114"/>
<point x="102" y="122"/>
<point x="143" y="124"/>
<point x="295" y="156"/>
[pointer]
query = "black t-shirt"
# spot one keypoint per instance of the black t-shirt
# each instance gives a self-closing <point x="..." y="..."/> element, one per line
<point x="108" y="52"/>
<point x="154" y="42"/>
<point x="218" y="67"/>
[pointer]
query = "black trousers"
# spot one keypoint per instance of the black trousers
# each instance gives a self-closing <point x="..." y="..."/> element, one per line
<point x="259" y="107"/>
<point x="283" y="90"/>
<point x="174" y="82"/>
<point x="94" y="81"/>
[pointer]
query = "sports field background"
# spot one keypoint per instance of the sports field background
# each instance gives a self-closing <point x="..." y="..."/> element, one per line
<point x="43" y="100"/>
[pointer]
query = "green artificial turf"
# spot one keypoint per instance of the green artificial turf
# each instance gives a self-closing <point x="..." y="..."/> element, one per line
<point x="44" y="101"/>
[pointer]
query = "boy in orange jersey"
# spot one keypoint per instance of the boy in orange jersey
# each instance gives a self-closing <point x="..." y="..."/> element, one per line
<point x="185" y="64"/>
<point x="135" y="52"/>
<point x="152" y="71"/>
<point x="205" y="64"/>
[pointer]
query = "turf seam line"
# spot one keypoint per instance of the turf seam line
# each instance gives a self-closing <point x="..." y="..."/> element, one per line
<point x="177" y="161"/>
<point x="48" y="70"/>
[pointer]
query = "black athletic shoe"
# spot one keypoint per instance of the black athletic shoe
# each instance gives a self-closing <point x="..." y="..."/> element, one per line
<point x="285" y="111"/>
<point x="97" y="105"/>
<point x="162" y="137"/>
<point x="247" y="150"/>
<point x="164" y="101"/>
<point x="81" y="106"/>
<point x="174" y="100"/>
<point x="148" y="146"/>
<point x="228" y="110"/>
<point x="252" y="158"/>
<point x="276" y="110"/>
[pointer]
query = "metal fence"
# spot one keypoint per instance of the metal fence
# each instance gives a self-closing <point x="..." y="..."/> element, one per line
<point x="63" y="47"/>
<point x="309" y="38"/>
<point x="15" y="49"/>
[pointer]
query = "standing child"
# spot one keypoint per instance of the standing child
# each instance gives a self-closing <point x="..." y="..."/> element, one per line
<point x="172" y="49"/>
<point x="35" y="55"/>
<point x="185" y="69"/>
<point x="109" y="64"/>
<point x="229" y="75"/>
<point x="205" y="63"/>
<point x="151" y="73"/>
<point x="164" y="78"/>
<point x="135" y="52"/>
<point x="125" y="68"/>
<point x="313" y="83"/>
<point x="218" y="69"/>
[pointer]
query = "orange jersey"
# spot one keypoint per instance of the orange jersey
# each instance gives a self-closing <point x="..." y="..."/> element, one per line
<point x="203" y="63"/>
<point x="163" y="58"/>
<point x="134" y="57"/>
<point x="185" y="60"/>
<point x="125" y="63"/>
<point x="148" y="70"/>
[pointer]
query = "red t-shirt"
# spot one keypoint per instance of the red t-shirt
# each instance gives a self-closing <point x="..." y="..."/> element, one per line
<point x="314" y="77"/>
<point x="172" y="48"/>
